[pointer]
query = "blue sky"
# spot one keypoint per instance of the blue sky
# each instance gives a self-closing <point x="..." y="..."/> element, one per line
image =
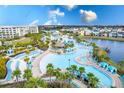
<point x="66" y="15"/>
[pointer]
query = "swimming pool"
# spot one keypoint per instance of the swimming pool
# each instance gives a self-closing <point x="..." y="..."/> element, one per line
<point x="18" y="62"/>
<point x="62" y="62"/>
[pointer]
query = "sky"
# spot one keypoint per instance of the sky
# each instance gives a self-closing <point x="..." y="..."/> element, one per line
<point x="61" y="15"/>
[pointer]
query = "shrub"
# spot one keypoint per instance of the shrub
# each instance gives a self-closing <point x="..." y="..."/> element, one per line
<point x="3" y="67"/>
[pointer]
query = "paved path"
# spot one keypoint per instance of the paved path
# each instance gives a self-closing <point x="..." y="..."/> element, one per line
<point x="3" y="82"/>
<point x="115" y="77"/>
<point x="79" y="83"/>
<point x="36" y="65"/>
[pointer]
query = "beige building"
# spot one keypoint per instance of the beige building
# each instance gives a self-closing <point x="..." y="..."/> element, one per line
<point x="16" y="31"/>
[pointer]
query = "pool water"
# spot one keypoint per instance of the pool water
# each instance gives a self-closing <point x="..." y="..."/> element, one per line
<point x="62" y="62"/>
<point x="18" y="62"/>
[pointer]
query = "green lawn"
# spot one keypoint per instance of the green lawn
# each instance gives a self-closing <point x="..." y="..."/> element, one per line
<point x="22" y="41"/>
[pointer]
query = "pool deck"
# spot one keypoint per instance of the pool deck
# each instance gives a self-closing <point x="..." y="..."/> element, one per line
<point x="36" y="65"/>
<point x="37" y="72"/>
<point x="79" y="83"/>
<point x="115" y="77"/>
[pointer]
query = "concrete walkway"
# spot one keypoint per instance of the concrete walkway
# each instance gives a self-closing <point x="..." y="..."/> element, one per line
<point x="115" y="77"/>
<point x="79" y="83"/>
<point x="36" y="65"/>
<point x="3" y="82"/>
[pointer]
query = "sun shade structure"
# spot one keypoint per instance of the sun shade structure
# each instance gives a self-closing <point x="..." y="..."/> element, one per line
<point x="10" y="51"/>
<point x="112" y="69"/>
<point x="84" y="76"/>
<point x="103" y="64"/>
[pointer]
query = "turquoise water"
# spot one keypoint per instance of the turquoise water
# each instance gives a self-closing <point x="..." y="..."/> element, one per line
<point x="62" y="62"/>
<point x="9" y="71"/>
<point x="17" y="58"/>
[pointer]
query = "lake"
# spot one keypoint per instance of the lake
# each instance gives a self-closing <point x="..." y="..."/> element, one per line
<point x="116" y="48"/>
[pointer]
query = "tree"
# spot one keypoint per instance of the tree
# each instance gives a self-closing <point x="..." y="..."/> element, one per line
<point x="62" y="77"/>
<point x="41" y="83"/>
<point x="50" y="65"/>
<point x="121" y="63"/>
<point x="27" y="52"/>
<point x="81" y="70"/>
<point x="74" y="68"/>
<point x="92" y="80"/>
<point x="69" y="69"/>
<point x="57" y="73"/>
<point x="16" y="73"/>
<point x="69" y="76"/>
<point x="35" y="83"/>
<point x="26" y="60"/>
<point x="95" y="82"/>
<point x="27" y="74"/>
<point x="50" y="70"/>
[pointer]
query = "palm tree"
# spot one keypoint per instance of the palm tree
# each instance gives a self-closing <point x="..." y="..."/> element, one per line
<point x="16" y="73"/>
<point x="57" y="73"/>
<point x="27" y="74"/>
<point x="50" y="70"/>
<point x="26" y="60"/>
<point x="62" y="78"/>
<point x="41" y="83"/>
<point x="74" y="68"/>
<point x="69" y="69"/>
<point x="35" y="83"/>
<point x="93" y="81"/>
<point x="81" y="70"/>
<point x="90" y="76"/>
<point x="69" y="76"/>
<point x="50" y="65"/>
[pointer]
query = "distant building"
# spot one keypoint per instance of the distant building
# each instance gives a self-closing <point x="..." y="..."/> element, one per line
<point x="87" y="32"/>
<point x="113" y="34"/>
<point x="81" y="32"/>
<point x="16" y="31"/>
<point x="95" y="33"/>
<point x="104" y="34"/>
<point x="120" y="34"/>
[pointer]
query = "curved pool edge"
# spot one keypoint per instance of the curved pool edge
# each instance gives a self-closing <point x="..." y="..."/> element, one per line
<point x="115" y="78"/>
<point x="8" y="75"/>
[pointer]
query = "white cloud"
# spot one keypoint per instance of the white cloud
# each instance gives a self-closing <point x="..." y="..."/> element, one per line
<point x="70" y="7"/>
<point x="88" y="16"/>
<point x="56" y="12"/>
<point x="34" y="22"/>
<point x="53" y="15"/>
<point x="59" y="24"/>
<point x="49" y="22"/>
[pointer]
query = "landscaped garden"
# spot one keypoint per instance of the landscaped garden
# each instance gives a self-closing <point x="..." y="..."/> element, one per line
<point x="3" y="69"/>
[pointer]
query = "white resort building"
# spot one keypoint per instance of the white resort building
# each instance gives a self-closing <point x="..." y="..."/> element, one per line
<point x="16" y="31"/>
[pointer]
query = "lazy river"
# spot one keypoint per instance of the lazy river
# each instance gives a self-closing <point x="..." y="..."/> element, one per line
<point x="61" y="61"/>
<point x="18" y="62"/>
